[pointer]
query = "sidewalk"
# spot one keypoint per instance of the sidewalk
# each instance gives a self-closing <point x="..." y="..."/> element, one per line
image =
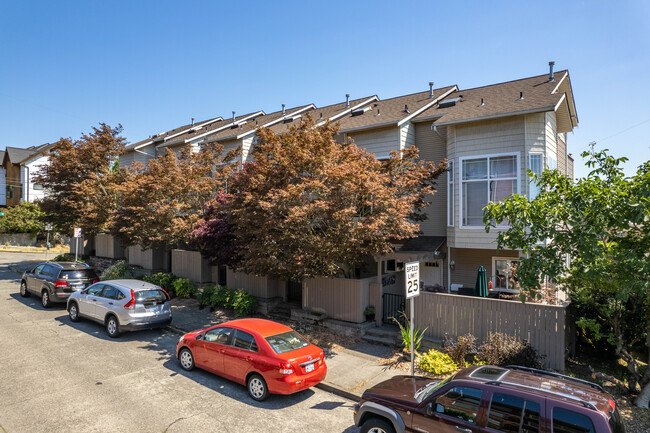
<point x="349" y="371"/>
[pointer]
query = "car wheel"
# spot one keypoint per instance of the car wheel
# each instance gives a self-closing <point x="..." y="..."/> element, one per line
<point x="45" y="299"/>
<point x="257" y="387"/>
<point x="112" y="327"/>
<point x="23" y="290"/>
<point x="376" y="425"/>
<point x="186" y="359"/>
<point x="73" y="312"/>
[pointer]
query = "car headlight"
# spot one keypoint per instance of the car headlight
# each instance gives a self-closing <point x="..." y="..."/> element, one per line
<point x="181" y="339"/>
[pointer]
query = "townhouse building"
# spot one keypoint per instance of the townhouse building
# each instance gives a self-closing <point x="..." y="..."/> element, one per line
<point x="18" y="171"/>
<point x="491" y="137"/>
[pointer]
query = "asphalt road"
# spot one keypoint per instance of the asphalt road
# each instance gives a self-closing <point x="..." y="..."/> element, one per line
<point x="59" y="376"/>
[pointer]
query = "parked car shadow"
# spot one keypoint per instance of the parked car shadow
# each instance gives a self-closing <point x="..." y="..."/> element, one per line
<point x="34" y="301"/>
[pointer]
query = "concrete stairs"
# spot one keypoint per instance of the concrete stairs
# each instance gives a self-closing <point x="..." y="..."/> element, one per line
<point x="387" y="335"/>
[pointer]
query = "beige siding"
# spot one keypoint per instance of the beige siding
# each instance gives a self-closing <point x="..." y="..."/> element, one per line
<point x="468" y="260"/>
<point x="432" y="148"/>
<point x="341" y="299"/>
<point x="108" y="246"/>
<point x="143" y="155"/>
<point x="545" y="326"/>
<point x="191" y="265"/>
<point x="535" y="143"/>
<point x="570" y="168"/>
<point x="246" y="144"/>
<point x="551" y="135"/>
<point x="406" y="135"/>
<point x="477" y="139"/>
<point x="378" y="141"/>
<point x="262" y="287"/>
<point x="156" y="259"/>
<point x="561" y="154"/>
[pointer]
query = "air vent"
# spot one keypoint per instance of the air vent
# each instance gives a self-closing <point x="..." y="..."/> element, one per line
<point x="448" y="103"/>
<point x="360" y="111"/>
<point x="291" y="119"/>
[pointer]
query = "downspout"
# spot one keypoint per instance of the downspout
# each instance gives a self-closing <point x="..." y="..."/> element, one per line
<point x="27" y="182"/>
<point x="379" y="309"/>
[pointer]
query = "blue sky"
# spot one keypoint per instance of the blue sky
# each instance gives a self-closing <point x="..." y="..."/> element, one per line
<point x="152" y="65"/>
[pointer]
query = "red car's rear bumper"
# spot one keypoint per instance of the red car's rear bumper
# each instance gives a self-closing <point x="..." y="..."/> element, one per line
<point x="293" y="383"/>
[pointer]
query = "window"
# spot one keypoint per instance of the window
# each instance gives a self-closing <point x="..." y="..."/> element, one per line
<point x="568" y="421"/>
<point x="152" y="297"/>
<point x="78" y="274"/>
<point x="460" y="402"/>
<point x="110" y="292"/>
<point x="10" y="191"/>
<point x="38" y="269"/>
<point x="503" y="273"/>
<point x="484" y="180"/>
<point x="95" y="290"/>
<point x="286" y="342"/>
<point x="38" y="187"/>
<point x="218" y="335"/>
<point x="513" y="414"/>
<point x="536" y="166"/>
<point x="450" y="195"/>
<point x="244" y="340"/>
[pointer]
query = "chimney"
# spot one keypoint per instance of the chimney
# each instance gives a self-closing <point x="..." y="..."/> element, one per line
<point x="550" y="70"/>
<point x="347" y="100"/>
<point x="233" y="117"/>
<point x="283" y="109"/>
<point x="192" y="121"/>
<point x="430" y="89"/>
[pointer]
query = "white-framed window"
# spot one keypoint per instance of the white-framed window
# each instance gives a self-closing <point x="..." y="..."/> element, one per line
<point x="450" y="195"/>
<point x="485" y="179"/>
<point x="536" y="165"/>
<point x="503" y="273"/>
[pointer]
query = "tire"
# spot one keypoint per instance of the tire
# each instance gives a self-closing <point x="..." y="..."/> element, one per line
<point x="377" y="425"/>
<point x="186" y="359"/>
<point x="112" y="326"/>
<point x="23" y="290"/>
<point x="73" y="312"/>
<point x="257" y="388"/>
<point x="45" y="299"/>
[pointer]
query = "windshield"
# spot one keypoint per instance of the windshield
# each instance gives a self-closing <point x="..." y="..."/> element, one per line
<point x="287" y="341"/>
<point x="428" y="389"/>
<point x="78" y="274"/>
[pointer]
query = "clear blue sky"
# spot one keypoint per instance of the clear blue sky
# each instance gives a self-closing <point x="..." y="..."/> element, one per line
<point x="152" y="65"/>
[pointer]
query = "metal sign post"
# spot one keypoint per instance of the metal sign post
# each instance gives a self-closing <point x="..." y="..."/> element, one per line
<point x="77" y="235"/>
<point x="48" y="229"/>
<point x="412" y="271"/>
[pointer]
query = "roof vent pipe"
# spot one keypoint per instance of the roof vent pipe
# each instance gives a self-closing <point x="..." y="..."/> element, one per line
<point x="233" y="117"/>
<point x="550" y="70"/>
<point x="521" y="96"/>
<point x="406" y="108"/>
<point x="482" y="103"/>
<point x="430" y="89"/>
<point x="283" y="109"/>
<point x="347" y="100"/>
<point x="192" y="121"/>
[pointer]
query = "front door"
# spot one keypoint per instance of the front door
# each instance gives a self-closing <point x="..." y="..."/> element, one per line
<point x="294" y="291"/>
<point x="431" y="273"/>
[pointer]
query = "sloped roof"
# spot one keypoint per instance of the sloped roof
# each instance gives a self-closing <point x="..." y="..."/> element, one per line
<point x="526" y="95"/>
<point x="389" y="111"/>
<point x="18" y="155"/>
<point x="218" y="127"/>
<point x="166" y="134"/>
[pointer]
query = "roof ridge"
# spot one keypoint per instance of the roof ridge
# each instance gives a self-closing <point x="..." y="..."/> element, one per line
<point x="415" y="93"/>
<point x="512" y="81"/>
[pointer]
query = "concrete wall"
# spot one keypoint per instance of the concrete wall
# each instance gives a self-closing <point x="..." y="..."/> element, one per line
<point x="108" y="246"/>
<point x="191" y="265"/>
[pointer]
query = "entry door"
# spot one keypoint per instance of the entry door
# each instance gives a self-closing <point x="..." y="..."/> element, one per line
<point x="431" y="273"/>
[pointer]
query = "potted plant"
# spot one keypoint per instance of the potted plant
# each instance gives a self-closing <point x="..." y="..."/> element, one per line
<point x="369" y="312"/>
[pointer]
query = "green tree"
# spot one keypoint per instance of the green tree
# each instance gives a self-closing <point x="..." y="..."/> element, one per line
<point x="26" y="217"/>
<point x="160" y="203"/>
<point x="592" y="237"/>
<point x="310" y="206"/>
<point x="79" y="180"/>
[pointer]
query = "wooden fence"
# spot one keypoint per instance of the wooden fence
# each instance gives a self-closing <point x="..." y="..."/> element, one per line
<point x="546" y="327"/>
<point x="342" y="299"/>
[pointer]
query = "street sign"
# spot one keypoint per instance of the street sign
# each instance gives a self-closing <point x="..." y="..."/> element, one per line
<point x="48" y="227"/>
<point x="77" y="232"/>
<point x="412" y="271"/>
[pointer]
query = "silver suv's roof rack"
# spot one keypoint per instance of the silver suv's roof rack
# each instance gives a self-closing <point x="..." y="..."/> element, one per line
<point x="567" y="396"/>
<point x="553" y="374"/>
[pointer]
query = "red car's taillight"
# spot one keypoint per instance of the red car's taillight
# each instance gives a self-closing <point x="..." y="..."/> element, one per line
<point x="96" y="280"/>
<point x="60" y="283"/>
<point x="131" y="303"/>
<point x="285" y="368"/>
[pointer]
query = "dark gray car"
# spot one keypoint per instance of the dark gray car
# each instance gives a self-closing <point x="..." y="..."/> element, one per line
<point x="56" y="281"/>
<point x="122" y="305"/>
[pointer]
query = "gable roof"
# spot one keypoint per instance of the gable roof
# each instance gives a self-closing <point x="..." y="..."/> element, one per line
<point x="166" y="135"/>
<point x="18" y="155"/>
<point x="528" y="95"/>
<point x="393" y="111"/>
<point x="209" y="130"/>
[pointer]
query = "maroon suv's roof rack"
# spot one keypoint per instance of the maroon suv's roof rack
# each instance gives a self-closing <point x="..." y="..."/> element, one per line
<point x="553" y="374"/>
<point x="570" y="397"/>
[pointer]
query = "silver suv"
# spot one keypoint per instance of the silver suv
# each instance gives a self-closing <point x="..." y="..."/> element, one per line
<point x="122" y="305"/>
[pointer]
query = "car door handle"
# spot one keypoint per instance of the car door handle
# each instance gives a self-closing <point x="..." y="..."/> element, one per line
<point x="463" y="429"/>
<point x="94" y="300"/>
<point x="110" y="303"/>
<point x="222" y="350"/>
<point x="249" y="358"/>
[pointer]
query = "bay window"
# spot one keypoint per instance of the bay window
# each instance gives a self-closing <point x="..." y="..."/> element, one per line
<point x="483" y="180"/>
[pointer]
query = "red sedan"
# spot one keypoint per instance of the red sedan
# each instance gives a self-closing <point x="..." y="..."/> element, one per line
<point x="266" y="356"/>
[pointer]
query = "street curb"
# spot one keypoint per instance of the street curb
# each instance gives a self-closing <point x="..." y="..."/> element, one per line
<point x="176" y="329"/>
<point x="337" y="390"/>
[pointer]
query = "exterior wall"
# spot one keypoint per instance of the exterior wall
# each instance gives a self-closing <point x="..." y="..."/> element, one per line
<point x="406" y="135"/>
<point x="535" y="143"/>
<point x="14" y="184"/>
<point x="3" y="186"/>
<point x="246" y="146"/>
<point x="477" y="139"/>
<point x="28" y="172"/>
<point x="191" y="265"/>
<point x="561" y="153"/>
<point x="468" y="260"/>
<point x="143" y="155"/>
<point x="378" y="141"/>
<point x="231" y="145"/>
<point x="545" y="326"/>
<point x="550" y="129"/>
<point x="108" y="246"/>
<point x="570" y="167"/>
<point x="341" y="299"/>
<point x="262" y="287"/>
<point x="86" y="246"/>
<point x="156" y="259"/>
<point x="432" y="148"/>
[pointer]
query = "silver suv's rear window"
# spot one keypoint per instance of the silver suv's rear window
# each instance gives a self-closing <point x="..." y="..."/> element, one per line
<point x="78" y="274"/>
<point x="150" y="296"/>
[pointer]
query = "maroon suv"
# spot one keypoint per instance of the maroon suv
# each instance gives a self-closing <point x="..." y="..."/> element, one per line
<point x="488" y="399"/>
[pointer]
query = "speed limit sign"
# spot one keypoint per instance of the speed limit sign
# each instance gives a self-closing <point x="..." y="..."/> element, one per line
<point x="412" y="270"/>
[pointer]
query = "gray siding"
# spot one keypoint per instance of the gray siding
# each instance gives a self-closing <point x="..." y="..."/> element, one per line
<point x="468" y="260"/>
<point x="432" y="148"/>
<point x="378" y="141"/>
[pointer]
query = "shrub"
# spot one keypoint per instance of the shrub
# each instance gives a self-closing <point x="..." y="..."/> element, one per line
<point x="25" y="217"/>
<point x="67" y="257"/>
<point x="183" y="288"/>
<point x="461" y="349"/>
<point x="206" y="294"/>
<point x="164" y="280"/>
<point x="244" y="303"/>
<point x="437" y="363"/>
<point x="118" y="271"/>
<point x="221" y="297"/>
<point x="405" y="330"/>
<point x="502" y="349"/>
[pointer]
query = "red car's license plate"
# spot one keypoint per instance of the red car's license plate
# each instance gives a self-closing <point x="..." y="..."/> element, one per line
<point x="309" y="368"/>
